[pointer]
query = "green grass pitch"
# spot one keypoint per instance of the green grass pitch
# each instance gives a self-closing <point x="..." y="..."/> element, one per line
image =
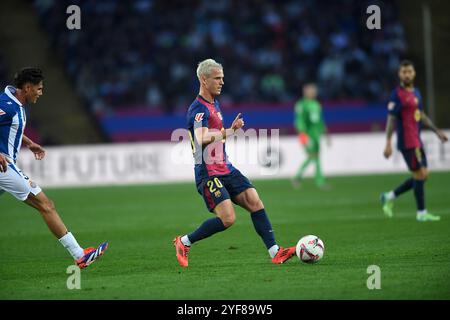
<point x="141" y="221"/>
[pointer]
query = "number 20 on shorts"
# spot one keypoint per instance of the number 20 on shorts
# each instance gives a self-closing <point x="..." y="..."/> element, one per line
<point x="214" y="184"/>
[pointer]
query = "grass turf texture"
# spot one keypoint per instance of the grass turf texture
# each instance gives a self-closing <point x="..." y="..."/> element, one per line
<point x="141" y="221"/>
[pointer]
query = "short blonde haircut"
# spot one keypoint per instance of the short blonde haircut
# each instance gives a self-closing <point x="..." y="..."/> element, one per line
<point x="205" y="67"/>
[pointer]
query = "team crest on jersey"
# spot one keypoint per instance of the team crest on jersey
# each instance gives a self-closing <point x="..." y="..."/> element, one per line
<point x="218" y="194"/>
<point x="199" y="116"/>
<point x="417" y="115"/>
<point x="391" y="106"/>
<point x="2" y="112"/>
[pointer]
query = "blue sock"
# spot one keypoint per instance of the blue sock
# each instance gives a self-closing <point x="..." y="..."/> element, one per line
<point x="206" y="229"/>
<point x="263" y="227"/>
<point x="419" y="193"/>
<point x="405" y="186"/>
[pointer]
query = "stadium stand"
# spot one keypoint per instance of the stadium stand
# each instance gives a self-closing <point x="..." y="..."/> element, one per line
<point x="60" y="109"/>
<point x="135" y="64"/>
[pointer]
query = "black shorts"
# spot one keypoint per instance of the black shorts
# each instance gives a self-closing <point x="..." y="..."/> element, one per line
<point x="415" y="158"/>
<point x="216" y="189"/>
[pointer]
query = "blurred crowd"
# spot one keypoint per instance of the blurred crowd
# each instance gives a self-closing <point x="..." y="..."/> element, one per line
<point x="4" y="76"/>
<point x="145" y="52"/>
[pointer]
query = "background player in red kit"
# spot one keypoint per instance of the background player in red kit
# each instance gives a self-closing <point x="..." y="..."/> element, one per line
<point x="406" y="111"/>
<point x="217" y="180"/>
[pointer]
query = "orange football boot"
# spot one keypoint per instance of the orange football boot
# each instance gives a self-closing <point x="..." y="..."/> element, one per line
<point x="182" y="252"/>
<point x="283" y="255"/>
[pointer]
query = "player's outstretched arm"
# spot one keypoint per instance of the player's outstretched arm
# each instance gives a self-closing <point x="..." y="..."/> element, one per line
<point x="39" y="152"/>
<point x="207" y="136"/>
<point x="389" y="131"/>
<point x="427" y="121"/>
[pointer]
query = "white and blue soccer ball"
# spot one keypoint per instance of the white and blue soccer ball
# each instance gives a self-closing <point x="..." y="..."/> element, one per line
<point x="310" y="249"/>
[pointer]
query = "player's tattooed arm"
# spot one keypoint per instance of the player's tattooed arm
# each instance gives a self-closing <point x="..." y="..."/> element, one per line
<point x="427" y="121"/>
<point x="389" y="131"/>
<point x="390" y="127"/>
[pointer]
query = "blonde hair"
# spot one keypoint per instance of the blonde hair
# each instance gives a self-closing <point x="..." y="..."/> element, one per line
<point x="205" y="67"/>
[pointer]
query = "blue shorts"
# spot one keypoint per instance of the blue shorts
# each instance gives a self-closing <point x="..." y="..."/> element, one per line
<point x="216" y="189"/>
<point x="415" y="158"/>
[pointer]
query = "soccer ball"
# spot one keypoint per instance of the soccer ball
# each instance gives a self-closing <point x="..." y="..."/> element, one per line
<point x="310" y="249"/>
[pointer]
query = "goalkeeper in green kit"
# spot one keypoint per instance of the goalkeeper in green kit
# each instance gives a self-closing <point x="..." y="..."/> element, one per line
<point x="310" y="126"/>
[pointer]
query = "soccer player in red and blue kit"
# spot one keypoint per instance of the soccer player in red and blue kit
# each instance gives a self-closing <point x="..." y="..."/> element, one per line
<point x="217" y="180"/>
<point x="406" y="111"/>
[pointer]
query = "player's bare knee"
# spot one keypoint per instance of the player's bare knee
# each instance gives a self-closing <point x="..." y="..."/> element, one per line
<point x="253" y="202"/>
<point x="421" y="174"/>
<point x="256" y="205"/>
<point x="228" y="220"/>
<point x="47" y="207"/>
<point x="424" y="174"/>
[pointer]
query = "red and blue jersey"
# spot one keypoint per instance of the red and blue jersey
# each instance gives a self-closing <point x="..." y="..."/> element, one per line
<point x="211" y="159"/>
<point x="406" y="106"/>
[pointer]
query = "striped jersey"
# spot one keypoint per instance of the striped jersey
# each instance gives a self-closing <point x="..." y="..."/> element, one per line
<point x="12" y="124"/>
<point x="210" y="160"/>
<point x="406" y="106"/>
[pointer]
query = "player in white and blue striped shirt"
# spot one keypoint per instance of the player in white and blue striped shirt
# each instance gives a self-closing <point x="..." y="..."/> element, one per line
<point x="28" y="88"/>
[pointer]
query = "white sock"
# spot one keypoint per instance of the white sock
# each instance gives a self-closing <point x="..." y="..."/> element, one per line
<point x="390" y="195"/>
<point x="421" y="212"/>
<point x="273" y="250"/>
<point x="70" y="243"/>
<point x="185" y="240"/>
